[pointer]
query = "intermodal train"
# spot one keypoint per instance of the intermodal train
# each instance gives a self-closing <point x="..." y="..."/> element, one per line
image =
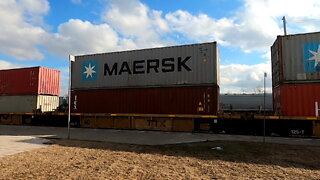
<point x="172" y="89"/>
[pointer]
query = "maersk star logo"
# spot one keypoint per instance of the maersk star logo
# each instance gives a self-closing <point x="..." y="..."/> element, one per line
<point x="89" y="70"/>
<point x="316" y="56"/>
<point x="312" y="57"/>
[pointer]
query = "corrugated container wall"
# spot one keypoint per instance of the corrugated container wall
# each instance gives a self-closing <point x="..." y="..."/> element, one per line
<point x="296" y="99"/>
<point x="187" y="65"/>
<point x="49" y="81"/>
<point x="29" y="81"/>
<point x="245" y="102"/>
<point x="169" y="80"/>
<point x="295" y="59"/>
<point x="169" y="100"/>
<point x="28" y="103"/>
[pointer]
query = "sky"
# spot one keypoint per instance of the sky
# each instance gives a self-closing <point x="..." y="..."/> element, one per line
<point x="45" y="32"/>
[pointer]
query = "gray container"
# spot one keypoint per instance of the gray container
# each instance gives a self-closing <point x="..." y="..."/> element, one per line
<point x="245" y="102"/>
<point x="295" y="59"/>
<point x="187" y="65"/>
<point x="28" y="103"/>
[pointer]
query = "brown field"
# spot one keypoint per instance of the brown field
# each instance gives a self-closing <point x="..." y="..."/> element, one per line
<point x="96" y="160"/>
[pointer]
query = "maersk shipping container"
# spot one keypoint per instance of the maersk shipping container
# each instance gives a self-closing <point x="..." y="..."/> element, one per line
<point x="29" y="81"/>
<point x="186" y="65"/>
<point x="296" y="99"/>
<point x="28" y="103"/>
<point x="296" y="58"/>
<point x="165" y="100"/>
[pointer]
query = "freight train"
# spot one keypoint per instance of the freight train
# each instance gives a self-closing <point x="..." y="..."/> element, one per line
<point x="177" y="89"/>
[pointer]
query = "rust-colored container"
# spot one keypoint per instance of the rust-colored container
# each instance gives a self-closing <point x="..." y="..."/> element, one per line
<point x="169" y="100"/>
<point x="296" y="99"/>
<point x="30" y="81"/>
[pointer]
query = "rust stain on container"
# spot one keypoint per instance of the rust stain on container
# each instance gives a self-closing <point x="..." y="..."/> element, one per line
<point x="174" y="100"/>
<point x="30" y="81"/>
<point x="296" y="99"/>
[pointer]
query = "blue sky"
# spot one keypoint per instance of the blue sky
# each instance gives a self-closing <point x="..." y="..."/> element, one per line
<point x="44" y="32"/>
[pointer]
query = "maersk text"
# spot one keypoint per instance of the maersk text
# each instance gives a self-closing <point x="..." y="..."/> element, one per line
<point x="147" y="66"/>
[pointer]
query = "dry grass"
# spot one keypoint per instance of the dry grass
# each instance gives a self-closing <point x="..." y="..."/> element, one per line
<point x="96" y="160"/>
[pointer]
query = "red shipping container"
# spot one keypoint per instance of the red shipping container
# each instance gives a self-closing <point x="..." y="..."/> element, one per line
<point x="30" y="81"/>
<point x="296" y="99"/>
<point x="165" y="100"/>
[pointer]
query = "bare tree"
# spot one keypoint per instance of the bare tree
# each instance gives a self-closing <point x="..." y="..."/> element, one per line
<point x="258" y="90"/>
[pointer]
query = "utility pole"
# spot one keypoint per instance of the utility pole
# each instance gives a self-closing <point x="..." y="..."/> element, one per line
<point x="264" y="107"/>
<point x="284" y="25"/>
<point x="71" y="59"/>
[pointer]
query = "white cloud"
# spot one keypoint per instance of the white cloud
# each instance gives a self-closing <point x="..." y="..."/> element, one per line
<point x="244" y="78"/>
<point x="80" y="37"/>
<point x="249" y="33"/>
<point x="199" y="28"/>
<point x="267" y="55"/>
<point x="136" y="21"/>
<point x="254" y="26"/>
<point x="300" y="15"/>
<point x="7" y="65"/>
<point x="130" y="24"/>
<point x="34" y="10"/>
<point x="18" y="37"/>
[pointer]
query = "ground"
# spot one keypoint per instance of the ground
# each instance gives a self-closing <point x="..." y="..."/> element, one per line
<point x="71" y="159"/>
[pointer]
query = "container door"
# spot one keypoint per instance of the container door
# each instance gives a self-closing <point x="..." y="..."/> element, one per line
<point x="208" y="101"/>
